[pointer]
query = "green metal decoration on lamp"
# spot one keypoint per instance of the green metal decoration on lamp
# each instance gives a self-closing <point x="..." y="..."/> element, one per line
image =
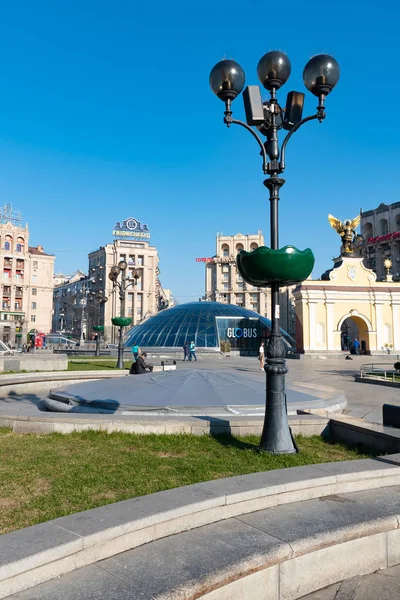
<point x="121" y="321"/>
<point x="98" y="327"/>
<point x="286" y="266"/>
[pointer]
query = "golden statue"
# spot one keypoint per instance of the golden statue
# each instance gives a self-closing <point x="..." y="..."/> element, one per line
<point x="347" y="230"/>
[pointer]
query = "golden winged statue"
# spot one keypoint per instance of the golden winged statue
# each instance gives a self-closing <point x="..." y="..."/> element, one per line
<point x="347" y="230"/>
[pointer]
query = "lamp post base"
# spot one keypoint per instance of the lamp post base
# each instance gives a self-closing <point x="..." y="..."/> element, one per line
<point x="276" y="436"/>
<point x="120" y="362"/>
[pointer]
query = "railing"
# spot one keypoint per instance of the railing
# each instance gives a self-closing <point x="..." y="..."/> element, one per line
<point x="384" y="371"/>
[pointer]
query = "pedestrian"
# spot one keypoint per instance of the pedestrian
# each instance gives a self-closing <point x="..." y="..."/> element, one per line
<point x="356" y="346"/>
<point x="186" y="351"/>
<point x="135" y="351"/>
<point x="192" y="349"/>
<point x="261" y="355"/>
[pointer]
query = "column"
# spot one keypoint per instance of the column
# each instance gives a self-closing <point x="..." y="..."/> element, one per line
<point x="396" y="325"/>
<point x="312" y="324"/>
<point x="330" y="339"/>
<point x="379" y="325"/>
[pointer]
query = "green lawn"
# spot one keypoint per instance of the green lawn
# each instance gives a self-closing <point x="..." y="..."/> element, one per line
<point x="48" y="476"/>
<point x="92" y="364"/>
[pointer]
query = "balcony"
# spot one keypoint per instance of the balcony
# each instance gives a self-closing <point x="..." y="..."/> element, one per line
<point x="6" y="306"/>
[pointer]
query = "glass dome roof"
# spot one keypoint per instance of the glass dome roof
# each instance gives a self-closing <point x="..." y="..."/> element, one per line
<point x="193" y="321"/>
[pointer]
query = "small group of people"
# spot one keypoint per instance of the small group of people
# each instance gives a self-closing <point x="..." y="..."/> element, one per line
<point x="139" y="364"/>
<point x="189" y="351"/>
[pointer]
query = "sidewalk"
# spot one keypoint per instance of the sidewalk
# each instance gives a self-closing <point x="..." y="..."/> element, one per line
<point x="383" y="585"/>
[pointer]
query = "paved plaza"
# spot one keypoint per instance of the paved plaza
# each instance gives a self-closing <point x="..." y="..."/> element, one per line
<point x="364" y="400"/>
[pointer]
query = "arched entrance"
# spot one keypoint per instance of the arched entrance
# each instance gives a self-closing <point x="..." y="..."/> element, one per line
<point x="354" y="327"/>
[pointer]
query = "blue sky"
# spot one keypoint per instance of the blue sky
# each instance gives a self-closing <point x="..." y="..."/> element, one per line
<point x="106" y="113"/>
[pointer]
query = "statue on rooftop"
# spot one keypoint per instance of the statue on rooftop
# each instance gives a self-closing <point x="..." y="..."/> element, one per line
<point x="347" y="231"/>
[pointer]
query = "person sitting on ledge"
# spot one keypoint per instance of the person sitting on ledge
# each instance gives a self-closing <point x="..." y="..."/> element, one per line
<point x="140" y="365"/>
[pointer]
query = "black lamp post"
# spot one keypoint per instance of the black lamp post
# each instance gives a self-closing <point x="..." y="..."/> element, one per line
<point x="123" y="285"/>
<point x="98" y="299"/>
<point x="274" y="267"/>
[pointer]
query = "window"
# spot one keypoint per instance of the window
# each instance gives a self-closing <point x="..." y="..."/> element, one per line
<point x="225" y="269"/>
<point x="240" y="285"/>
<point x="225" y="287"/>
<point x="34" y="291"/>
<point x="131" y="259"/>
<point x="34" y="278"/>
<point x="7" y="245"/>
<point x="19" y="248"/>
<point x="254" y="297"/>
<point x="225" y="251"/>
<point x="253" y="246"/>
<point x="33" y="305"/>
<point x="17" y="305"/>
<point x="33" y="318"/>
<point x="35" y="264"/>
<point x="140" y="261"/>
<point x="225" y="277"/>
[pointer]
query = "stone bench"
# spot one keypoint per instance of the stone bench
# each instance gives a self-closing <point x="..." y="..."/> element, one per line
<point x="313" y="530"/>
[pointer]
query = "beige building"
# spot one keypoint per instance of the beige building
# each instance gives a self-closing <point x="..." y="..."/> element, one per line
<point x="144" y="296"/>
<point x="27" y="287"/>
<point x="348" y="303"/>
<point x="225" y="284"/>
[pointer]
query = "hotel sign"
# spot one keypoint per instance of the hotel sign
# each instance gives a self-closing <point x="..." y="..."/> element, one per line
<point x="131" y="229"/>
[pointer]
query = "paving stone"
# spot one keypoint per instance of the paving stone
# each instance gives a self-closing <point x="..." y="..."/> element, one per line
<point x="328" y="593"/>
<point x="146" y="511"/>
<point x="35" y="546"/>
<point x="321" y="519"/>
<point x="246" y="487"/>
<point x="377" y="587"/>
<point x="191" y="560"/>
<point x="90" y="583"/>
<point x="351" y="469"/>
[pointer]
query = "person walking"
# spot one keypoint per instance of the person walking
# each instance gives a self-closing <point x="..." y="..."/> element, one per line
<point x="186" y="351"/>
<point x="135" y="351"/>
<point x="261" y="356"/>
<point x="192" y="349"/>
<point x="356" y="346"/>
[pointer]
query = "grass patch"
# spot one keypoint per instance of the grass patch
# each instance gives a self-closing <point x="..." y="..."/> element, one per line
<point x="48" y="476"/>
<point x="92" y="365"/>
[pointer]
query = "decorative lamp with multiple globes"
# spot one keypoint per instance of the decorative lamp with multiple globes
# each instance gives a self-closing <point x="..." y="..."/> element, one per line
<point x="274" y="266"/>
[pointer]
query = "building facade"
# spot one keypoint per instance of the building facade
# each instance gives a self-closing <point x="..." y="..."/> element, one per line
<point x="27" y="286"/>
<point x="380" y="228"/>
<point x="350" y="303"/>
<point x="70" y="303"/>
<point x="225" y="284"/>
<point x="145" y="295"/>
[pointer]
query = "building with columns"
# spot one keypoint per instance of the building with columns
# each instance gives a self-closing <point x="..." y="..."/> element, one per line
<point x="225" y="284"/>
<point x="347" y="303"/>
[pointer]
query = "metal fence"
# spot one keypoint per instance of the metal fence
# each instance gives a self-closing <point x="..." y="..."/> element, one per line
<point x="381" y="370"/>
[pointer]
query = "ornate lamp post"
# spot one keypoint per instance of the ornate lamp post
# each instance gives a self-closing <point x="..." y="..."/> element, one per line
<point x="98" y="299"/>
<point x="122" y="321"/>
<point x="274" y="267"/>
<point x="18" y="335"/>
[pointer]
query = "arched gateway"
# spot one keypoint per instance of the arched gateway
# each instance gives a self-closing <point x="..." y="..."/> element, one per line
<point x="348" y="302"/>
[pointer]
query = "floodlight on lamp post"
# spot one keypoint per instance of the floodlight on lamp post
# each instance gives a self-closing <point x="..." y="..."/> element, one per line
<point x="124" y="283"/>
<point x="273" y="267"/>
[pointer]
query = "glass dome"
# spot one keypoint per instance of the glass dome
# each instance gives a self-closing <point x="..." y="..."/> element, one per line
<point x="204" y="323"/>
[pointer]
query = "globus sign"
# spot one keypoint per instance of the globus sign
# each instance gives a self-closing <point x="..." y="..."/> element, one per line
<point x="242" y="332"/>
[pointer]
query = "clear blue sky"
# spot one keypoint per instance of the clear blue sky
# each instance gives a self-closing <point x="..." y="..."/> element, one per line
<point x="106" y="113"/>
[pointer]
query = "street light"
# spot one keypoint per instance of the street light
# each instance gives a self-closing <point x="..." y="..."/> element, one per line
<point x="97" y="299"/>
<point x="18" y="335"/>
<point x="122" y="321"/>
<point x="274" y="267"/>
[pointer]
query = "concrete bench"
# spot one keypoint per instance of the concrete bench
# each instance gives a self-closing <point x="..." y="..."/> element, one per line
<point x="316" y="525"/>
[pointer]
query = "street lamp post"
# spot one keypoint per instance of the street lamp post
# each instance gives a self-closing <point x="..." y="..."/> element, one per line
<point x="274" y="267"/>
<point x="20" y="325"/>
<point x="122" y="321"/>
<point x="99" y="299"/>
